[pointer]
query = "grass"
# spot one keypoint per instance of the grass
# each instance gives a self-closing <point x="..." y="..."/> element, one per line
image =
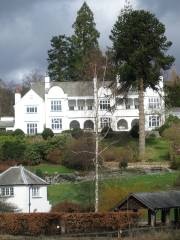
<point x="51" y="169"/>
<point x="83" y="193"/>
<point x="157" y="149"/>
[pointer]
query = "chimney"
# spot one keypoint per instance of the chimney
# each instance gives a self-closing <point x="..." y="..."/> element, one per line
<point x="47" y="82"/>
<point x="17" y="94"/>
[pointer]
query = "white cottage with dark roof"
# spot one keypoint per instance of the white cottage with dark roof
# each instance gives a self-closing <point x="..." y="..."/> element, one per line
<point x="24" y="190"/>
<point x="66" y="105"/>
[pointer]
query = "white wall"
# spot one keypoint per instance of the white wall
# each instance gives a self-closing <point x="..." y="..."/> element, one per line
<point x="22" y="117"/>
<point x="21" y="200"/>
<point x="45" y="115"/>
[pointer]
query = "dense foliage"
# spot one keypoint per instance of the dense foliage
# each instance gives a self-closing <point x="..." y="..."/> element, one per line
<point x="35" y="224"/>
<point x="172" y="90"/>
<point x="139" y="51"/>
<point x="47" y="133"/>
<point x="72" y="58"/>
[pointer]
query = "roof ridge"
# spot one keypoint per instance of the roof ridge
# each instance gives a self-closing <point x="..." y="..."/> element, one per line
<point x="23" y="175"/>
<point x="7" y="170"/>
<point x="35" y="175"/>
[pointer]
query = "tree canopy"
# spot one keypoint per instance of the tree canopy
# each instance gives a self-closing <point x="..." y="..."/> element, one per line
<point x="172" y="90"/>
<point x="139" y="47"/>
<point x="139" y="52"/>
<point x="71" y="58"/>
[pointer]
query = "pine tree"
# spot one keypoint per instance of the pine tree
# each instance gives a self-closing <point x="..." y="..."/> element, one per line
<point x="84" y="44"/>
<point x="58" y="58"/>
<point x="139" y="47"/>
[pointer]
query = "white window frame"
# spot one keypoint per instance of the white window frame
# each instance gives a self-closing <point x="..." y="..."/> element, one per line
<point x="7" y="191"/>
<point x="35" y="191"/>
<point x="105" y="122"/>
<point x="31" y="109"/>
<point x="104" y="104"/>
<point x="56" y="123"/>
<point x="89" y="107"/>
<point x="154" y="121"/>
<point x="31" y="128"/>
<point x="80" y="108"/>
<point x="56" y="106"/>
<point x="154" y="103"/>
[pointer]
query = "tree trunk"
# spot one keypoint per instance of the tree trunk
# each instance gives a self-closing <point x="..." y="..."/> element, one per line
<point x="141" y="121"/>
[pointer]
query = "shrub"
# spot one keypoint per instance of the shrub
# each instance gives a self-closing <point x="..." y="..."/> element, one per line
<point x="79" y="154"/>
<point x="32" y="155"/>
<point x="173" y="133"/>
<point x="54" y="156"/>
<point x="59" y="141"/>
<point x="123" y="164"/>
<point x="111" y="154"/>
<point x="168" y="123"/>
<point x="35" y="224"/>
<point x="18" y="132"/>
<point x="107" y="132"/>
<point x="12" y="148"/>
<point x="134" y="132"/>
<point x="98" y="222"/>
<point x="47" y="133"/>
<point x="76" y="133"/>
<point x="128" y="154"/>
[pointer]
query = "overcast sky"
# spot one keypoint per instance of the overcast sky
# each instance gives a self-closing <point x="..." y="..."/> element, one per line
<point x="27" y="26"/>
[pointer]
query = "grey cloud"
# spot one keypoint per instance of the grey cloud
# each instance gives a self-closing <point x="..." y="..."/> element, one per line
<point x="27" y="26"/>
<point x="168" y="13"/>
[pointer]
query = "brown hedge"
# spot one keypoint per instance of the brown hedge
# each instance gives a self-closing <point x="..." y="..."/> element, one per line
<point x="89" y="222"/>
<point x="56" y="223"/>
<point x="29" y="224"/>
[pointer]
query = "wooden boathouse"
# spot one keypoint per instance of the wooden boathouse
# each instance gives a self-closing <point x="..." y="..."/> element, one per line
<point x="154" y="202"/>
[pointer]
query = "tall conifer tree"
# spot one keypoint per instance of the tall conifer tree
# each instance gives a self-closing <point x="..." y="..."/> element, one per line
<point x="139" y="48"/>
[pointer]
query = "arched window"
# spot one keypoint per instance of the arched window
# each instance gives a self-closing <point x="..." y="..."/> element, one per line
<point x="122" y="124"/>
<point x="74" y="124"/>
<point x="88" y="124"/>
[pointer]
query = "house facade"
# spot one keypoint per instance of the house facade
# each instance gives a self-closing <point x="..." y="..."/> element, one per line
<point x="24" y="190"/>
<point x="67" y="105"/>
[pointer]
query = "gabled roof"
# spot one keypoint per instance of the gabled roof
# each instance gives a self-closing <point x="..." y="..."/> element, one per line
<point x="18" y="175"/>
<point x="153" y="200"/>
<point x="71" y="88"/>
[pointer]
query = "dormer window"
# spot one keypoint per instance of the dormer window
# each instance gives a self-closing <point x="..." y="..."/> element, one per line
<point x="56" y="106"/>
<point x="154" y="103"/>
<point x="104" y="104"/>
<point x="7" y="192"/>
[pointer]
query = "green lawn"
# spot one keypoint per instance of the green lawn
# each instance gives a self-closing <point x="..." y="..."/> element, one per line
<point x="83" y="193"/>
<point x="157" y="149"/>
<point x="50" y="168"/>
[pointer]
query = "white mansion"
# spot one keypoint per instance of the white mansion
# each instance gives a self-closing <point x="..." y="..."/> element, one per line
<point x="66" y="105"/>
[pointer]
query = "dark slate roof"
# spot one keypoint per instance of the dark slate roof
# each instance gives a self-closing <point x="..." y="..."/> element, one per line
<point x="155" y="200"/>
<point x="71" y="88"/>
<point x="18" y="175"/>
<point x="5" y="124"/>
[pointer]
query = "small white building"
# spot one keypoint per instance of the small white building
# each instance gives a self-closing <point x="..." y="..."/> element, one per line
<point x="66" y="105"/>
<point x="24" y="190"/>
